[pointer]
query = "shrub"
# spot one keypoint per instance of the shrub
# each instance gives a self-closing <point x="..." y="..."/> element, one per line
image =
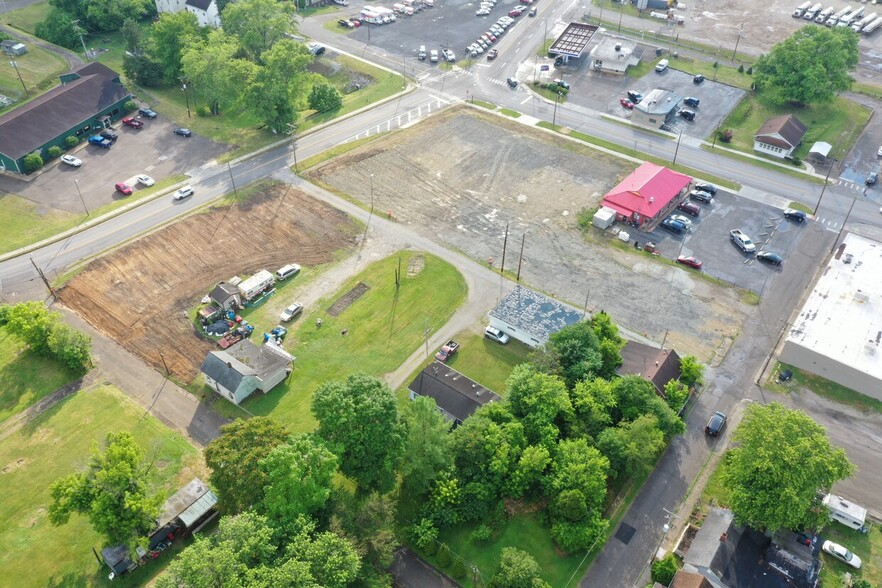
<point x="424" y="533"/>
<point x="750" y="70"/>
<point x="796" y="161"/>
<point x="53" y="152"/>
<point x="325" y="98"/>
<point x="663" y="570"/>
<point x="482" y="534"/>
<point x="4" y="313"/>
<point x="130" y="106"/>
<point x="741" y="68"/>
<point x="70" y="347"/>
<point x="203" y="110"/>
<point x="32" y="162"/>
<point x="431" y="548"/>
<point x="861" y="583"/>
<point x="459" y="569"/>
<point x="443" y="558"/>
<point x="716" y="65"/>
<point x="71" y="142"/>
<point x="726" y="135"/>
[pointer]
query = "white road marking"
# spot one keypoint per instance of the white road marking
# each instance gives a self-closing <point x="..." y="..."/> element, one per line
<point x="527" y="99"/>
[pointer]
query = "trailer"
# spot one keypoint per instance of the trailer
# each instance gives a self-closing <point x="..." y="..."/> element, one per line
<point x="872" y="26"/>
<point x="813" y="11"/>
<point x="825" y="14"/>
<point x="848" y="513"/>
<point x="835" y="18"/>
<point x="256" y="285"/>
<point x="856" y="27"/>
<point x="846" y="20"/>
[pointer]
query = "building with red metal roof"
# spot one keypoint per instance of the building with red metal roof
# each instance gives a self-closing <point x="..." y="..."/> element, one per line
<point x="649" y="192"/>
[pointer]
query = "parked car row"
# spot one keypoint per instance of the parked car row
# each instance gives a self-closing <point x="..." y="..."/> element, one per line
<point x="489" y="37"/>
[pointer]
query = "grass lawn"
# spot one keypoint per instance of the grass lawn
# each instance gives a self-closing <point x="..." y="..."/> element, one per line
<point x="55" y="444"/>
<point x="384" y="328"/>
<point x="726" y="74"/>
<point x="825" y="122"/>
<point x="823" y="387"/>
<point x="867" y="546"/>
<point x="25" y="377"/>
<point x="509" y="112"/>
<point x="26" y="222"/>
<point x="26" y="18"/>
<point x="39" y="70"/>
<point x="487" y="362"/>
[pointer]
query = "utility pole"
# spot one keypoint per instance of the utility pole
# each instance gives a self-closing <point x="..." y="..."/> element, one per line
<point x="677" y="149"/>
<point x="521" y="257"/>
<point x="292" y="128"/>
<point x="738" y="40"/>
<point x="504" y="247"/>
<point x="827" y="177"/>
<point x="15" y="66"/>
<point x="186" y="96"/>
<point x="43" y="277"/>
<point x="77" y="183"/>
<point x="554" y="116"/>
<point x="79" y="30"/>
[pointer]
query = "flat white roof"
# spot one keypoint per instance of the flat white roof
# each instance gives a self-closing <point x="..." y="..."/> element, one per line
<point x="842" y="318"/>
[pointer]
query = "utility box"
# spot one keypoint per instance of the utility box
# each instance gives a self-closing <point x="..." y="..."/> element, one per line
<point x="604" y="218"/>
<point x="848" y="513"/>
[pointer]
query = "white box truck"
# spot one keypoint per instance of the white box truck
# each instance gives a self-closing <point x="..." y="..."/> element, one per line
<point x="848" y="513"/>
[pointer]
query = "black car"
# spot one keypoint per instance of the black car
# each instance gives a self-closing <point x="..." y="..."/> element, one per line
<point x="673" y="226"/>
<point x="635" y="97"/>
<point x="715" y="425"/>
<point x="770" y="257"/>
<point x="872" y="177"/>
<point x="701" y="196"/>
<point x="697" y="79"/>
<point x="687" y="114"/>
<point x="706" y="187"/>
<point x="146" y="112"/>
<point x="794" y="215"/>
<point x="183" y="132"/>
<point x="689" y="208"/>
<point x="690" y="101"/>
<point x="108" y="134"/>
<point x="512" y="83"/>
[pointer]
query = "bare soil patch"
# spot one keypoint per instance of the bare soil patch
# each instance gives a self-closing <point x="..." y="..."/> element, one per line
<point x="141" y="295"/>
<point x="463" y="176"/>
<point x="344" y="301"/>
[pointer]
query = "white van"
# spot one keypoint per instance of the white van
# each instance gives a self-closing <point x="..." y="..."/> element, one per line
<point x="661" y="66"/>
<point x="433" y="56"/>
<point x="422" y="53"/>
<point x="286" y="272"/>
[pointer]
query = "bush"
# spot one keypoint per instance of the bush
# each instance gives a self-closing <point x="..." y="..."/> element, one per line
<point x="726" y="135"/>
<point x="861" y="583"/>
<point x="443" y="558"/>
<point x="424" y="533"/>
<point x="4" y="313"/>
<point x="663" y="570"/>
<point x="130" y="106"/>
<point x="483" y="534"/>
<point x="325" y="98"/>
<point x="431" y="548"/>
<point x="750" y="70"/>
<point x="70" y="347"/>
<point x="71" y="142"/>
<point x="741" y="68"/>
<point x="32" y="162"/>
<point x="203" y="110"/>
<point x="796" y="161"/>
<point x="53" y="152"/>
<point x="459" y="569"/>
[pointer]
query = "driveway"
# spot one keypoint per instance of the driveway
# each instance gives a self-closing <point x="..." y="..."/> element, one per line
<point x="154" y="150"/>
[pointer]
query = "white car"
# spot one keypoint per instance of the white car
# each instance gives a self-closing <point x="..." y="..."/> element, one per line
<point x="290" y="312"/>
<point x="145" y="180"/>
<point x="184" y="192"/>
<point x="71" y="160"/>
<point x="842" y="554"/>
<point x="683" y="219"/>
<point x="495" y="334"/>
<point x="661" y="65"/>
<point x="879" y="152"/>
<point x="482" y="12"/>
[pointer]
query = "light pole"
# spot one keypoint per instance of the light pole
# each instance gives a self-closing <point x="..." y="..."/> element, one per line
<point x="677" y="149"/>
<point x="15" y="66"/>
<point x="554" y="116"/>
<point x="827" y="177"/>
<point x="292" y="128"/>
<point x="403" y="67"/>
<point x="740" y="30"/>
<point x="77" y="182"/>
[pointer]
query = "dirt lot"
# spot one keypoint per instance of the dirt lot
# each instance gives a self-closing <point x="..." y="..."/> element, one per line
<point x="462" y="176"/>
<point x="140" y="295"/>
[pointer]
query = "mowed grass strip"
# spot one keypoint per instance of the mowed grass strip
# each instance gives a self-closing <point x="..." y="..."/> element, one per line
<point x="39" y="69"/>
<point x="27" y="17"/>
<point x="382" y="328"/>
<point x="53" y="445"/>
<point x="25" y="377"/>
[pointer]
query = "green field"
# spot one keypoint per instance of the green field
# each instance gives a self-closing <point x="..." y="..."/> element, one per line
<point x="25" y="377"/>
<point x="26" y="18"/>
<point x="39" y="71"/>
<point x="867" y="546"/>
<point x="383" y="329"/>
<point x="486" y="361"/>
<point x="55" y="444"/>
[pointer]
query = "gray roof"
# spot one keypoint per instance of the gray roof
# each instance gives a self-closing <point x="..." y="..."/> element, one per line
<point x="707" y="544"/>
<point x="200" y="4"/>
<point x="205" y="503"/>
<point x="659" y="101"/>
<point x="573" y="40"/>
<point x="182" y="500"/>
<point x="93" y="88"/>
<point x="453" y="392"/>
<point x="228" y="368"/>
<point x="535" y="313"/>
<point x="223" y="291"/>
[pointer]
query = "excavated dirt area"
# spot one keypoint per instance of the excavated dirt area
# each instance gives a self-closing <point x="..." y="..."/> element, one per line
<point x="140" y="295"/>
<point x="463" y="176"/>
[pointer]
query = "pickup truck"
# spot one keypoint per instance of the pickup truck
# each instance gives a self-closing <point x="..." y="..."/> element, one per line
<point x="742" y="240"/>
<point x="100" y="141"/>
<point x="447" y="351"/>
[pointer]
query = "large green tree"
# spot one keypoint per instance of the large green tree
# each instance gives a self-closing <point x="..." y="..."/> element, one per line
<point x="32" y="323"/>
<point x="279" y="87"/>
<point x="572" y="353"/>
<point x="427" y="448"/>
<point x="298" y="480"/>
<point x="518" y="569"/>
<point x="113" y="493"/>
<point x="359" y="421"/>
<point x="234" y="459"/>
<point x="633" y="446"/>
<point x="258" y="24"/>
<point x="780" y="461"/>
<point x="811" y="66"/>
<point x="170" y="36"/>
<point x="58" y="27"/>
<point x="216" y="73"/>
<point x="635" y="397"/>
<point x="540" y="401"/>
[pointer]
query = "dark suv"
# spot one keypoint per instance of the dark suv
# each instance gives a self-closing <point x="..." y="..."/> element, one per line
<point x="690" y="101"/>
<point x="673" y="226"/>
<point x="108" y="134"/>
<point x="635" y="97"/>
<point x="715" y="425"/>
<point x="701" y="196"/>
<point x="146" y="112"/>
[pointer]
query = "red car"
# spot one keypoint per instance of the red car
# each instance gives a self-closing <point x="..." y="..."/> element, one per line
<point x="123" y="188"/>
<point x="132" y="122"/>
<point x="526" y="1"/>
<point x="690" y="261"/>
<point x="516" y="11"/>
<point x="689" y="208"/>
<point x="626" y="103"/>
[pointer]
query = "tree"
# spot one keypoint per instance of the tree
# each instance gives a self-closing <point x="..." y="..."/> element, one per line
<point x="611" y="344"/>
<point x="636" y="396"/>
<point x="70" y="347"/>
<point x="171" y="35"/>
<point x="32" y="162"/>
<point x="359" y="421"/>
<point x="529" y="472"/>
<point x="576" y="349"/>
<point x="577" y="466"/>
<point x="258" y="24"/>
<point x="133" y="36"/>
<point x="324" y="97"/>
<point x="281" y="84"/>
<point x="298" y="481"/>
<point x="811" y="66"/>
<point x="676" y="394"/>
<point x="103" y="15"/>
<point x="594" y="402"/>
<point x="427" y="449"/>
<point x="368" y="522"/>
<point x="234" y="459"/>
<point x="517" y="569"/>
<point x="582" y="535"/>
<point x="32" y="323"/>
<point x="691" y="371"/>
<point x="781" y="460"/>
<point x="58" y="28"/>
<point x="143" y="70"/>
<point x="633" y="446"/>
<point x="664" y="570"/>
<point x="113" y="493"/>
<point x="540" y="401"/>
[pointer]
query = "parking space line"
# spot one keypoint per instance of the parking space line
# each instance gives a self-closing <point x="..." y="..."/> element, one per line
<point x="527" y="99"/>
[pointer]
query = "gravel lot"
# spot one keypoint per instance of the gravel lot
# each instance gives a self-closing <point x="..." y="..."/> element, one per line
<point x="464" y="175"/>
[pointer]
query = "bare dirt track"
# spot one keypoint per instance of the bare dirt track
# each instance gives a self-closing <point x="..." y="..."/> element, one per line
<point x="464" y="175"/>
<point x="141" y="295"/>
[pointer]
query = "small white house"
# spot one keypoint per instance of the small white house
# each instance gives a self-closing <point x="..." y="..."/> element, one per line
<point x="205" y="10"/>
<point x="779" y="136"/>
<point x="244" y="368"/>
<point x="531" y="317"/>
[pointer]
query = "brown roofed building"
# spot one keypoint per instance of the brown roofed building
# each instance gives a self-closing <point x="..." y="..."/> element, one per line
<point x="84" y="104"/>
<point x="684" y="579"/>
<point x="659" y="366"/>
<point x="457" y="396"/>
<point x="779" y="136"/>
